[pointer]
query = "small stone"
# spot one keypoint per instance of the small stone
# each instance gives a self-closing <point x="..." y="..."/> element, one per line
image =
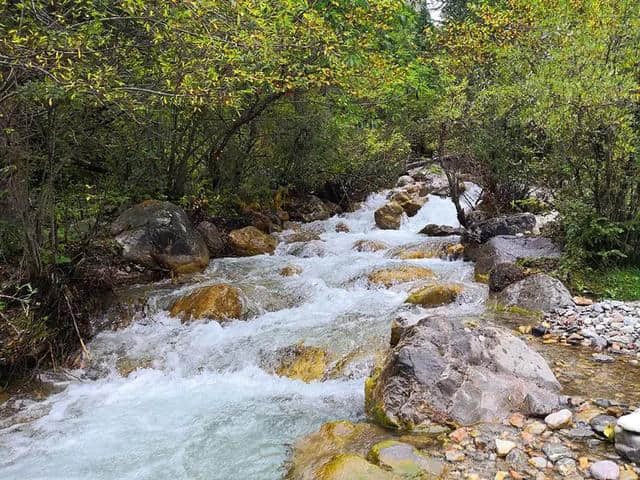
<point x="538" y="462"/>
<point x="559" y="419"/>
<point x="556" y="451"/>
<point x="459" y="435"/>
<point x="503" y="447"/>
<point x="605" y="470"/>
<point x="582" y="301"/>
<point x="583" y="462"/>
<point x="517" y="459"/>
<point x="602" y="358"/>
<point x="627" y="473"/>
<point x="454" y="455"/>
<point x="501" y="475"/>
<point x="517" y="420"/>
<point x="580" y="432"/>
<point x="539" y="330"/>
<point x="536" y="428"/>
<point x="566" y="466"/>
<point x="603" y="423"/>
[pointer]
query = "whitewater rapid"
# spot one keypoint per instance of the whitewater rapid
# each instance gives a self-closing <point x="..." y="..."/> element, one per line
<point x="206" y="407"/>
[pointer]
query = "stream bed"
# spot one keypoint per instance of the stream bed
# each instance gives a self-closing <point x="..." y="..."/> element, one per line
<point x="204" y="406"/>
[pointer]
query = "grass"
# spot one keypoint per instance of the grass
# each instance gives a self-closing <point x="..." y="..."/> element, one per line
<point x="616" y="283"/>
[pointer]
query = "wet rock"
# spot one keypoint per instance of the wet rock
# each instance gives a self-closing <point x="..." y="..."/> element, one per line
<point x="556" y="451"/>
<point x="503" y="447"/>
<point x="300" y="236"/>
<point x="389" y="217"/>
<point x="127" y="365"/>
<point x="216" y="302"/>
<point x="403" y="459"/>
<point x="510" y="249"/>
<point x="601" y="358"/>
<point x="410" y="204"/>
<point x="631" y="422"/>
<point x="559" y="419"/>
<point x="503" y="275"/>
<point x="159" y="235"/>
<point x="315" y="248"/>
<point x="605" y="470"/>
<point x="443" y="372"/>
<point x="250" y="241"/>
<point x="369" y="246"/>
<point x="213" y="237"/>
<point x="342" y="228"/>
<point x="455" y="251"/>
<point x="434" y="295"/>
<point x="291" y="271"/>
<point x="434" y="230"/>
<point x="400" y="274"/>
<point x="300" y="362"/>
<point x="505" y="225"/>
<point x="345" y="466"/>
<point x="536" y="293"/>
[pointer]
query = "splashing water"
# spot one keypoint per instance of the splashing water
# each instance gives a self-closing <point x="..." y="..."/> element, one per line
<point x="205" y="407"/>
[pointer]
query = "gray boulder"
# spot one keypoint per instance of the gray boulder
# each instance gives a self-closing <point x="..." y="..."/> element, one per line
<point x="159" y="235"/>
<point x="213" y="237"/>
<point x="627" y="435"/>
<point x="479" y="233"/>
<point x="503" y="275"/>
<point x="510" y="249"/>
<point x="405" y="180"/>
<point x="536" y="293"/>
<point x="442" y="372"/>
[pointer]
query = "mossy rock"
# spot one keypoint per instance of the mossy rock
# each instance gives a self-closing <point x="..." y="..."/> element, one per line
<point x="389" y="217"/>
<point x="435" y="295"/>
<point x="405" y="460"/>
<point x="401" y="274"/>
<point x="216" y="302"/>
<point x="303" y="363"/>
<point x="352" y="467"/>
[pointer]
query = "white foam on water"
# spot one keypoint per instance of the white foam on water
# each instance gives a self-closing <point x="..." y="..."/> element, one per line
<point x="206" y="408"/>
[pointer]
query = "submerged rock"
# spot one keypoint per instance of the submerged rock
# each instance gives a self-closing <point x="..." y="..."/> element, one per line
<point x="401" y="274"/>
<point x="369" y="246"/>
<point x="159" y="235"/>
<point x="389" y="217"/>
<point x="352" y="467"/>
<point x="250" y="241"/>
<point x="434" y="295"/>
<point x="291" y="271"/>
<point x="216" y="302"/>
<point x="342" y="228"/>
<point x="315" y="248"/>
<point x="445" y="373"/>
<point x="405" y="460"/>
<point x="536" y="293"/>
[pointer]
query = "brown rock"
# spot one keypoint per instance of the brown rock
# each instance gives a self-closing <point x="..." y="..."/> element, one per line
<point x="250" y="241"/>
<point x="582" y="301"/>
<point x="401" y="274"/>
<point x="389" y="217"/>
<point x="342" y="228"/>
<point x="410" y="204"/>
<point x="300" y="362"/>
<point x="291" y="271"/>
<point x="434" y="295"/>
<point x="217" y="302"/>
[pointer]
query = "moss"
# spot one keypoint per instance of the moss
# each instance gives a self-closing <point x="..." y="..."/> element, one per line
<point x="352" y="467"/>
<point x="304" y="363"/>
<point x="373" y="407"/>
<point x="401" y="274"/>
<point x="481" y="277"/>
<point x="515" y="310"/>
<point x="434" y="295"/>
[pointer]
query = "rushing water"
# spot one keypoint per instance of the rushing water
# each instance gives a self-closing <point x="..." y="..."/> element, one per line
<point x="206" y="407"/>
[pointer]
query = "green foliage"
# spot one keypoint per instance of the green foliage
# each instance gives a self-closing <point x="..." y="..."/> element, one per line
<point x="614" y="283"/>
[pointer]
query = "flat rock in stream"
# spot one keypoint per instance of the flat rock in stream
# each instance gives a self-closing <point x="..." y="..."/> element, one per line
<point x="443" y="372"/>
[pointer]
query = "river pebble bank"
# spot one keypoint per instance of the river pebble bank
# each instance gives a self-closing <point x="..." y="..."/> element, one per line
<point x="610" y="327"/>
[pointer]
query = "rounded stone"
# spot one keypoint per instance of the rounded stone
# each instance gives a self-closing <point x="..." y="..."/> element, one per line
<point x="605" y="470"/>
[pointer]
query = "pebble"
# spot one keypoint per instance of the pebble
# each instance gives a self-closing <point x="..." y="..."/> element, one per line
<point x="605" y="470"/>
<point x="566" y="466"/>
<point x="538" y="462"/>
<point x="454" y="456"/>
<point x="599" y="423"/>
<point x="559" y="419"/>
<point x="517" y="420"/>
<point x="517" y="459"/>
<point x="536" y="428"/>
<point x="556" y="451"/>
<point x="503" y="447"/>
<point x="599" y="357"/>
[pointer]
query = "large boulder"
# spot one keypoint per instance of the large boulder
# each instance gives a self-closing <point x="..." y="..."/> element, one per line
<point x="479" y="233"/>
<point x="510" y="249"/>
<point x="159" y="235"/>
<point x="444" y="372"/>
<point x="535" y="293"/>
<point x="216" y="302"/>
<point x="400" y="274"/>
<point x="389" y="217"/>
<point x="250" y="241"/>
<point x="503" y="275"/>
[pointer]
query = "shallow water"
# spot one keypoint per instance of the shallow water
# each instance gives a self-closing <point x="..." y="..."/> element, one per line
<point x="206" y="407"/>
